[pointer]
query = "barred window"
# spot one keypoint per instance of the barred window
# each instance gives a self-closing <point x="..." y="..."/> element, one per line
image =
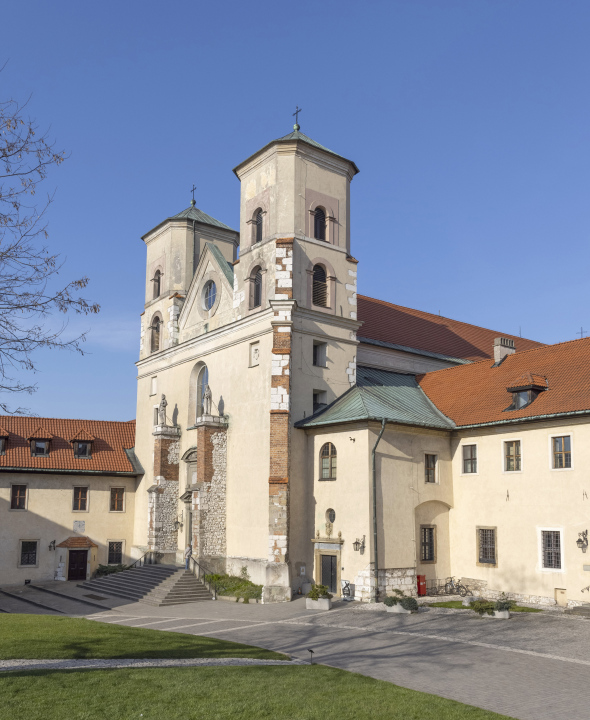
<point x="430" y="468"/>
<point x="18" y="497"/>
<point x="427" y="544"/>
<point x="117" y="499"/>
<point x="469" y="458"/>
<point x="320" y="286"/>
<point x="319" y="224"/>
<point x="115" y="553"/>
<point x="328" y="462"/>
<point x="80" y="498"/>
<point x="551" y="549"/>
<point x="562" y="452"/>
<point x="512" y="456"/>
<point x="28" y="552"/>
<point x="487" y="545"/>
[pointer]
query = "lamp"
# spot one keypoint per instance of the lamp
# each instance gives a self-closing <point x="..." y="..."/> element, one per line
<point x="52" y="545"/>
<point x="178" y="522"/>
<point x="359" y="544"/>
<point x="582" y="541"/>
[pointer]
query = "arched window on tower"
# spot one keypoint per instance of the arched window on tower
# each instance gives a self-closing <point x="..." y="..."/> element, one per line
<point x="257" y="289"/>
<point x="320" y="286"/>
<point x="259" y="218"/>
<point x="202" y="382"/>
<point x="319" y="224"/>
<point x="155" y="339"/>
<point x="157" y="283"/>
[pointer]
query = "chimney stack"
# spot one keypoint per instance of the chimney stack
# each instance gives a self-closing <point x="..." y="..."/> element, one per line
<point x="502" y="348"/>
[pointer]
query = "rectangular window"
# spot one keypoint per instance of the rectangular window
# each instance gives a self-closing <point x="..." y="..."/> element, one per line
<point x="18" y="497"/>
<point x="80" y="499"/>
<point x="320" y="400"/>
<point x="319" y="354"/>
<point x="39" y="448"/>
<point x="512" y="456"/>
<point x="430" y="468"/>
<point x="469" y="458"/>
<point x="117" y="499"/>
<point x="28" y="552"/>
<point x="155" y="415"/>
<point x="427" y="544"/>
<point x="83" y="450"/>
<point x="2" y="446"/>
<point x="551" y="540"/>
<point x="562" y="452"/>
<point x="487" y="545"/>
<point x="154" y="385"/>
<point x="115" y="553"/>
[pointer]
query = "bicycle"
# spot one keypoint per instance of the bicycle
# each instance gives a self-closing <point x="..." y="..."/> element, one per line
<point x="453" y="587"/>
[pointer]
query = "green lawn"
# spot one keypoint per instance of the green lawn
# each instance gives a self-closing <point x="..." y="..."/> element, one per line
<point x="458" y="605"/>
<point x="233" y="693"/>
<point x="45" y="636"/>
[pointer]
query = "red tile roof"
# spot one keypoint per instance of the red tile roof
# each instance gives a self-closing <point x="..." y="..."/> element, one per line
<point x="77" y="542"/>
<point x="527" y="380"/>
<point x="424" y="331"/>
<point x="477" y="393"/>
<point x="83" y="436"/>
<point x="108" y="447"/>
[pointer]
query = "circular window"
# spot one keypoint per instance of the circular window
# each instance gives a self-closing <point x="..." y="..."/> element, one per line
<point x="330" y="515"/>
<point x="209" y="295"/>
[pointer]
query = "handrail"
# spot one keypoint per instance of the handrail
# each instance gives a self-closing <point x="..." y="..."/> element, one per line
<point x="139" y="560"/>
<point x="206" y="571"/>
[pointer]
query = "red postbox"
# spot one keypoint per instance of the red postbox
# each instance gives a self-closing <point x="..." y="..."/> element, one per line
<point x="421" y="584"/>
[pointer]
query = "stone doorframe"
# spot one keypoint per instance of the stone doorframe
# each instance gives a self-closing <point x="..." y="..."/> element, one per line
<point x="327" y="546"/>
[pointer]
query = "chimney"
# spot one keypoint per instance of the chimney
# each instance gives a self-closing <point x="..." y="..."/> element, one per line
<point x="502" y="348"/>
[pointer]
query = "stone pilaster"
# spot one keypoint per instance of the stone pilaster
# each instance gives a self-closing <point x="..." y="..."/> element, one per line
<point x="163" y="494"/>
<point x="278" y="584"/>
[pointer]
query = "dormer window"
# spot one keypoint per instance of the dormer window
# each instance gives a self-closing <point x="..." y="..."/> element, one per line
<point x="39" y="448"/>
<point x="82" y="449"/>
<point x="2" y="446"/>
<point x="525" y="389"/>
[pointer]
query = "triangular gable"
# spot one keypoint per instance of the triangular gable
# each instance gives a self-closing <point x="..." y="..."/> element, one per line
<point x="41" y="433"/>
<point x="83" y="436"/>
<point x="3" y="432"/>
<point x="211" y="260"/>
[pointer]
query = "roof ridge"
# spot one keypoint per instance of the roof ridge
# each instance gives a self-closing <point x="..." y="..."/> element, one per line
<point x="519" y="354"/>
<point x="445" y="317"/>
<point x="39" y="419"/>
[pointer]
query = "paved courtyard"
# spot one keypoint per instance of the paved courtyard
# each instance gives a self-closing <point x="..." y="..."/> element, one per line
<point x="532" y="667"/>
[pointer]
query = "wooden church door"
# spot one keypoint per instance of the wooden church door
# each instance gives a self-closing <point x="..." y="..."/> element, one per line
<point x="329" y="572"/>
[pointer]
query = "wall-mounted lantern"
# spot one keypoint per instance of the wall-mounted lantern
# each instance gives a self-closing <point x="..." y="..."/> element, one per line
<point x="582" y="541"/>
<point x="179" y="521"/>
<point x="359" y="544"/>
<point x="52" y="545"/>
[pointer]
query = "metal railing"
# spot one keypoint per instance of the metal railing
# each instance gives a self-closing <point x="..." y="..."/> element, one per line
<point x="199" y="571"/>
<point x="145" y="560"/>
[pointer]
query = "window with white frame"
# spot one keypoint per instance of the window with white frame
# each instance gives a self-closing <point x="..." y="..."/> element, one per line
<point x="469" y="459"/>
<point x="28" y="553"/>
<point x="430" y="468"/>
<point x="512" y="459"/>
<point x="551" y="549"/>
<point x="562" y="452"/>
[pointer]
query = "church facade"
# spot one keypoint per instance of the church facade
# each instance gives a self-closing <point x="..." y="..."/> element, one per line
<point x="290" y="426"/>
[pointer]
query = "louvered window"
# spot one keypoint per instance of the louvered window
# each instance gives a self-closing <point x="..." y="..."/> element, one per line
<point x="257" y="296"/>
<point x="319" y="224"/>
<point x="259" y="217"/>
<point x="320" y="286"/>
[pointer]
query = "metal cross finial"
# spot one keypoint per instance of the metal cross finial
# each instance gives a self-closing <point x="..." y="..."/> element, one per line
<point x="296" y="116"/>
<point x="193" y="192"/>
<point x="582" y="332"/>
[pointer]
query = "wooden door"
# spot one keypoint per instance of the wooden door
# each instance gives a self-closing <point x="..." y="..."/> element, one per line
<point x="329" y="572"/>
<point x="77" y="564"/>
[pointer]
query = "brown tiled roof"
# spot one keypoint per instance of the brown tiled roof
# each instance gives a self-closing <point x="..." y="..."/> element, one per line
<point x="3" y="432"/>
<point x="83" y="436"/>
<point x="80" y="543"/>
<point x="527" y="380"/>
<point x="424" y="331"/>
<point x="477" y="393"/>
<point x="111" y="439"/>
<point x="40" y="433"/>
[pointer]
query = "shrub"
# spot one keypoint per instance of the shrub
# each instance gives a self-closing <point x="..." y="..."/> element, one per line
<point x="483" y="607"/>
<point x="318" y="592"/>
<point x="503" y="603"/>
<point x="234" y="586"/>
<point x="409" y="603"/>
<point x="392" y="600"/>
<point x="109" y="569"/>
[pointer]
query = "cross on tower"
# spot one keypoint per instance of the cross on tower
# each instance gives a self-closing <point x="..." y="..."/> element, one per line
<point x="296" y="116"/>
<point x="193" y="192"/>
<point x="582" y="332"/>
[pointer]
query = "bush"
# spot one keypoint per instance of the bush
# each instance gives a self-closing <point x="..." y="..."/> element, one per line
<point x="409" y="603"/>
<point x="109" y="569"/>
<point x="392" y="600"/>
<point x="503" y="603"/>
<point x="235" y="586"/>
<point x="483" y="607"/>
<point x="318" y="592"/>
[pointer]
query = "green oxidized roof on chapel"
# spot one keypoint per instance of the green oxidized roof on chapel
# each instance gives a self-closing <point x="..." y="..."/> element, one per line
<point x="296" y="135"/>
<point x="193" y="213"/>
<point x="225" y="266"/>
<point x="381" y="394"/>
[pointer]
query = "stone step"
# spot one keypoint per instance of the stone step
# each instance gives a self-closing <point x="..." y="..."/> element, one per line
<point x="583" y="610"/>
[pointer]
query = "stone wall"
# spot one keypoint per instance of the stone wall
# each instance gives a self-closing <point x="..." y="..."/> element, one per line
<point x="212" y="503"/>
<point x="480" y="587"/>
<point x="403" y="579"/>
<point x="162" y="512"/>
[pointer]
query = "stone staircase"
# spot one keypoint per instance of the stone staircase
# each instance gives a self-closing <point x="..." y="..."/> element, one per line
<point x="583" y="610"/>
<point x="151" y="584"/>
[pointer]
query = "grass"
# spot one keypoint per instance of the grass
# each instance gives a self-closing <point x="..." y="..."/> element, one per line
<point x="44" y="636"/>
<point x="240" y="693"/>
<point x="458" y="605"/>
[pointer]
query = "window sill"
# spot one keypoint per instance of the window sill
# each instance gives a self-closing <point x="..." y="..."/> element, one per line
<point x="327" y="479"/>
<point x="27" y="567"/>
<point x="18" y="510"/>
<point x="80" y="511"/>
<point x="117" y="512"/>
<point x="486" y="565"/>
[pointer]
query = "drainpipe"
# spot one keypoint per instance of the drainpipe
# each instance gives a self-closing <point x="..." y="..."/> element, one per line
<point x="375" y="555"/>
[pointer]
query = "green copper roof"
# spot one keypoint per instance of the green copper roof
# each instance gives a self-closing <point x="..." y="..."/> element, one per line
<point x="226" y="267"/>
<point x="296" y="135"/>
<point x="193" y="213"/>
<point x="380" y="394"/>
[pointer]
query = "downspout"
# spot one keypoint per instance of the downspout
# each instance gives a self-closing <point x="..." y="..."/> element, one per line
<point x="375" y="554"/>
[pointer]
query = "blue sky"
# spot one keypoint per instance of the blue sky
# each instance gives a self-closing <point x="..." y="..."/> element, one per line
<point x="469" y="121"/>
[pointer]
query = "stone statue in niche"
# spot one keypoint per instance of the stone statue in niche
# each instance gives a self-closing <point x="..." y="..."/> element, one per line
<point x="207" y="399"/>
<point x="162" y="411"/>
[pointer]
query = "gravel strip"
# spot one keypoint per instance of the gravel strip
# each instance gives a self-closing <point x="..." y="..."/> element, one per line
<point x="8" y="665"/>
